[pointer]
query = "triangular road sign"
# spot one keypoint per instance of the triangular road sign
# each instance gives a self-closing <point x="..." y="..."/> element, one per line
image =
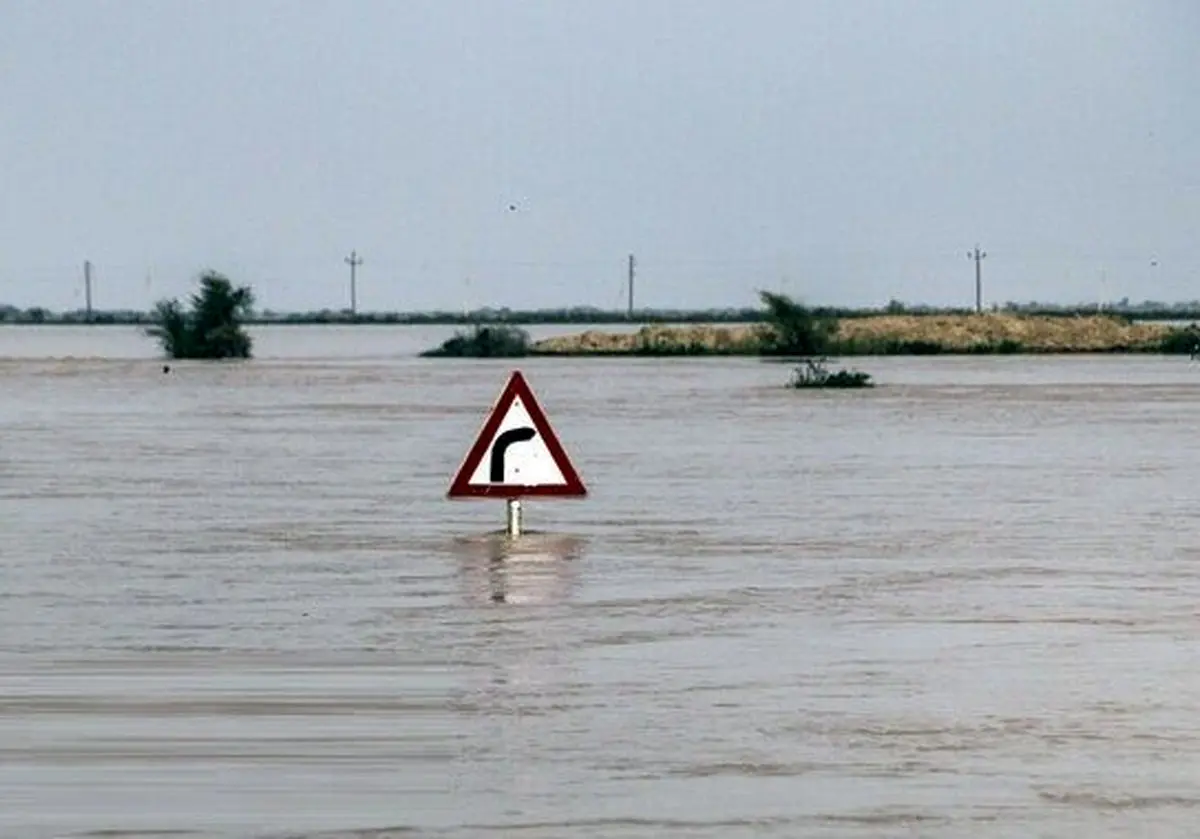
<point x="517" y="453"/>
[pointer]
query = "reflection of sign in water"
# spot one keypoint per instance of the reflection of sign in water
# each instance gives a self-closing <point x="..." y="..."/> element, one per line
<point x="541" y="569"/>
<point x="516" y="453"/>
<point x="530" y="579"/>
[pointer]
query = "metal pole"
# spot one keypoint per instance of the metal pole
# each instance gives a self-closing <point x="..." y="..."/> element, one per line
<point x="514" y="518"/>
<point x="353" y="260"/>
<point x="630" y="315"/>
<point x="978" y="256"/>
<point x="87" y="287"/>
<point x="978" y="285"/>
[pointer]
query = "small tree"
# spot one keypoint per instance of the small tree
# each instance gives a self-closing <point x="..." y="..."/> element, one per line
<point x="212" y="328"/>
<point x="795" y="329"/>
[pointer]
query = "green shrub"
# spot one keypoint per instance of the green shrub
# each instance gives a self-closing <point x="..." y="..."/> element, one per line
<point x="814" y="374"/>
<point x="1184" y="341"/>
<point x="495" y="341"/>
<point x="795" y="329"/>
<point x="212" y="327"/>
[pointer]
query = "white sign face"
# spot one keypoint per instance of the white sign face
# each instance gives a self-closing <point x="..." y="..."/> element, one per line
<point x="517" y="454"/>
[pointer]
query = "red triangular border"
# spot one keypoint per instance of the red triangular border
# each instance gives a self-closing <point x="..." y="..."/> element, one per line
<point x="516" y="387"/>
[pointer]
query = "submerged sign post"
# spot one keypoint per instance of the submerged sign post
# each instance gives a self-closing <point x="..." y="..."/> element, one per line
<point x="516" y="454"/>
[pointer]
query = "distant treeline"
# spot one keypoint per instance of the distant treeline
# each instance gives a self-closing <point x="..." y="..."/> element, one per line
<point x="1146" y="311"/>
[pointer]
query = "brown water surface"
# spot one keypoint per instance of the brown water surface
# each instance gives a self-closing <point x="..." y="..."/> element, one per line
<point x="235" y="602"/>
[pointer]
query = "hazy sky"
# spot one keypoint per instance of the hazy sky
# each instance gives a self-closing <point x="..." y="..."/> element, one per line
<point x="846" y="151"/>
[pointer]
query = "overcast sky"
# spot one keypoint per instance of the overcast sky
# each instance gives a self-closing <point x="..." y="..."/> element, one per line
<point x="514" y="153"/>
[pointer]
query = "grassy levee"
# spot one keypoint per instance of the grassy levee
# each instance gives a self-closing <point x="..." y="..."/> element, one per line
<point x="991" y="334"/>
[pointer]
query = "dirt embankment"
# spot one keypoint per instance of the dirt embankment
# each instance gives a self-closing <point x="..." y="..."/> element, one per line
<point x="1023" y="333"/>
<point x="692" y="339"/>
<point x="885" y="334"/>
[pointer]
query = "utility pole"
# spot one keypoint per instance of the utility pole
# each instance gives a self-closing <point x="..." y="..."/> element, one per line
<point x="353" y="260"/>
<point x="631" y="268"/>
<point x="978" y="256"/>
<point x="87" y="288"/>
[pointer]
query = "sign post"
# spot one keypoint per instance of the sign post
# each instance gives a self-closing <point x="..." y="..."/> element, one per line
<point x="517" y="454"/>
<point x="513" y="520"/>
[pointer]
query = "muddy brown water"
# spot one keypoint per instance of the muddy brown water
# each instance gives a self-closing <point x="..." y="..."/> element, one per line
<point x="235" y="602"/>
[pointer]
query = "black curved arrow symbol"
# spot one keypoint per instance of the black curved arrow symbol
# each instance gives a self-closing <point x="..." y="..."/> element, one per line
<point x="500" y="447"/>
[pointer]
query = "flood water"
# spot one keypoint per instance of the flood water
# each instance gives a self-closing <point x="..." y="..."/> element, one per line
<point x="236" y="603"/>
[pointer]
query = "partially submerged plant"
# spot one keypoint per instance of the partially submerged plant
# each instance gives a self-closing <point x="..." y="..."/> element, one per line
<point x="492" y="341"/>
<point x="212" y="327"/>
<point x="1182" y="340"/>
<point x="814" y="374"/>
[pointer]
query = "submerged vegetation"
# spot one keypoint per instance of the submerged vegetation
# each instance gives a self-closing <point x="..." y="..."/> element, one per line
<point x="814" y="374"/>
<point x="1181" y="341"/>
<point x="212" y="328"/>
<point x="794" y="330"/>
<point x="498" y="341"/>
